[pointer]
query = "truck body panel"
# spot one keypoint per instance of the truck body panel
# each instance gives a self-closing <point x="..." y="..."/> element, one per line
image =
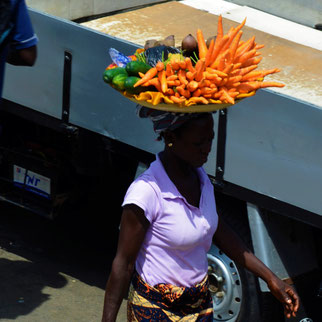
<point x="278" y="131"/>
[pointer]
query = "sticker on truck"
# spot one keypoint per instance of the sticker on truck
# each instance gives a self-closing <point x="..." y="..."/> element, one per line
<point x="31" y="181"/>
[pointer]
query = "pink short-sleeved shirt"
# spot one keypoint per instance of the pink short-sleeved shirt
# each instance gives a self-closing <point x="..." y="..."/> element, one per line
<point x="179" y="236"/>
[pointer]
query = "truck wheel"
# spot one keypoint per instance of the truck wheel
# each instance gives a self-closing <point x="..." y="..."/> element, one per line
<point x="225" y="286"/>
<point x="234" y="290"/>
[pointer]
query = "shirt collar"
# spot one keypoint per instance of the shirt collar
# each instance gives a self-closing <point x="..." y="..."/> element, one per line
<point x="167" y="187"/>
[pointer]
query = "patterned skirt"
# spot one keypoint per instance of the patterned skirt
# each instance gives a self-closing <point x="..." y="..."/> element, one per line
<point x="166" y="302"/>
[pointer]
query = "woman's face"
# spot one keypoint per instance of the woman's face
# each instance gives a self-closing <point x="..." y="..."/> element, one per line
<point x="193" y="142"/>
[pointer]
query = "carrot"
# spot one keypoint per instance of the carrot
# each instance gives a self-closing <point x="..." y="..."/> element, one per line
<point x="220" y="31"/>
<point x="234" y="85"/>
<point x="246" y="87"/>
<point x="173" y="83"/>
<point x="192" y="86"/>
<point x="252" y="61"/>
<point x="209" y="53"/>
<point x="189" y="65"/>
<point x="182" y="64"/>
<point x="208" y="90"/>
<point x="217" y="81"/>
<point x="168" y="70"/>
<point x="242" y="58"/>
<point x="200" y="67"/>
<point x="204" y="83"/>
<point x="197" y="92"/>
<point x="177" y="100"/>
<point x="228" y="68"/>
<point x="215" y="71"/>
<point x="147" y="76"/>
<point x="163" y="81"/>
<point x="245" y="47"/>
<point x="232" y="34"/>
<point x="213" y="77"/>
<point x="217" y="95"/>
<point x="182" y="77"/>
<point x="191" y="75"/>
<point x="141" y="74"/>
<point x="169" y="92"/>
<point x="233" y="80"/>
<point x="270" y="84"/>
<point x="221" y="63"/>
<point x="153" y="82"/>
<point x="223" y="82"/>
<point x="237" y="66"/>
<point x="226" y="97"/>
<point x="234" y="45"/>
<point x="233" y="94"/>
<point x="175" y="65"/>
<point x="202" y="47"/>
<point x="183" y="92"/>
<point x="172" y="77"/>
<point x="243" y="71"/>
<point x="259" y="47"/>
<point x="213" y="85"/>
<point x="217" y="49"/>
<point x="159" y="66"/>
<point x="259" y="74"/>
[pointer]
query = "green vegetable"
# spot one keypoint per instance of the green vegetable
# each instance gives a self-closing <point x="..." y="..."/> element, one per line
<point x="129" y="83"/>
<point x="110" y="73"/>
<point x="118" y="81"/>
<point x="135" y="67"/>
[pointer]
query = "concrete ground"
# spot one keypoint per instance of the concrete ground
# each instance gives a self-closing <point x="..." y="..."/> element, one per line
<point x="53" y="271"/>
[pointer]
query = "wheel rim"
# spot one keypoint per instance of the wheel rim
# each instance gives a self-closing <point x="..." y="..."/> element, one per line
<point x="225" y="286"/>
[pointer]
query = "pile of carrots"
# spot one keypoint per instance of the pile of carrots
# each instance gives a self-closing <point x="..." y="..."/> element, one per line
<point x="225" y="71"/>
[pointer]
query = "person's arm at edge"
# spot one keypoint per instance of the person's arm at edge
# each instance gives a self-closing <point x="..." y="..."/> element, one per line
<point x="23" y="57"/>
<point x="230" y="243"/>
<point x="133" y="229"/>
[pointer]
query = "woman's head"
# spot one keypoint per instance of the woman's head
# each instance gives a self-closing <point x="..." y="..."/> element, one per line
<point x="191" y="142"/>
<point x="187" y="136"/>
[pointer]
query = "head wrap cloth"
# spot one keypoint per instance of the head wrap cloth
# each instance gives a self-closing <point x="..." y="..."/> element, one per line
<point x="162" y="120"/>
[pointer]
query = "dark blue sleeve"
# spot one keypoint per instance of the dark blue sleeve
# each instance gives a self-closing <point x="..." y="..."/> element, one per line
<point x="23" y="33"/>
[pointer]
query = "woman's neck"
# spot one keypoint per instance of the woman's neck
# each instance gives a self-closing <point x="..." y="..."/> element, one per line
<point x="174" y="166"/>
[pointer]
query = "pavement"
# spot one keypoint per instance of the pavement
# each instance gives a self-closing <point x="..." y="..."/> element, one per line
<point x="54" y="271"/>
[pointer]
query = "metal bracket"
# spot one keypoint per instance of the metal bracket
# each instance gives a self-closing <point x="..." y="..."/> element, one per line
<point x="221" y="145"/>
<point x="66" y="86"/>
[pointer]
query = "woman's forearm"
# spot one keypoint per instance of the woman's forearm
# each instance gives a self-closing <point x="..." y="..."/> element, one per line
<point x="116" y="289"/>
<point x="232" y="245"/>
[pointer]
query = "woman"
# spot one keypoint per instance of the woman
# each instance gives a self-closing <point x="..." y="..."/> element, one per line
<point x="168" y="222"/>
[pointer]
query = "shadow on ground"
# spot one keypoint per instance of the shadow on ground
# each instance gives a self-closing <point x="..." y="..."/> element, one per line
<point x="20" y="296"/>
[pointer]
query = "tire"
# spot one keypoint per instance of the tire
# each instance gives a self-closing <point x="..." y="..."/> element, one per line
<point x="235" y="291"/>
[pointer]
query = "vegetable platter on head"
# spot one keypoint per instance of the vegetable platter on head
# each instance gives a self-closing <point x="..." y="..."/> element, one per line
<point x="200" y="76"/>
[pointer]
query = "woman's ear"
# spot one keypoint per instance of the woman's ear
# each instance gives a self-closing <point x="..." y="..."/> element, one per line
<point x="168" y="137"/>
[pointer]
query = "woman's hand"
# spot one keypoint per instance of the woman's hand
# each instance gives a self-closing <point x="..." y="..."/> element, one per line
<point x="230" y="243"/>
<point x="286" y="294"/>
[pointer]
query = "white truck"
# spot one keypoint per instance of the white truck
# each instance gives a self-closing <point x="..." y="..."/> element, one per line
<point x="65" y="133"/>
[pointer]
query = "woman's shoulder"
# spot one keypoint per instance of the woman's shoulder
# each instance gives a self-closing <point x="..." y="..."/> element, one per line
<point x="146" y="181"/>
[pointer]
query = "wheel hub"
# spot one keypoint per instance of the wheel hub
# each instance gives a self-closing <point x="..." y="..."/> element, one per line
<point x="225" y="286"/>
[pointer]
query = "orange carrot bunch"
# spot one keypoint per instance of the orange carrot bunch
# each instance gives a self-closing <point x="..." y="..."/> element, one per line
<point x="225" y="71"/>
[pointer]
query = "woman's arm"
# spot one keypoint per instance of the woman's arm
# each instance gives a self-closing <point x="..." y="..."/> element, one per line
<point x="23" y="57"/>
<point x="230" y="243"/>
<point x="133" y="228"/>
